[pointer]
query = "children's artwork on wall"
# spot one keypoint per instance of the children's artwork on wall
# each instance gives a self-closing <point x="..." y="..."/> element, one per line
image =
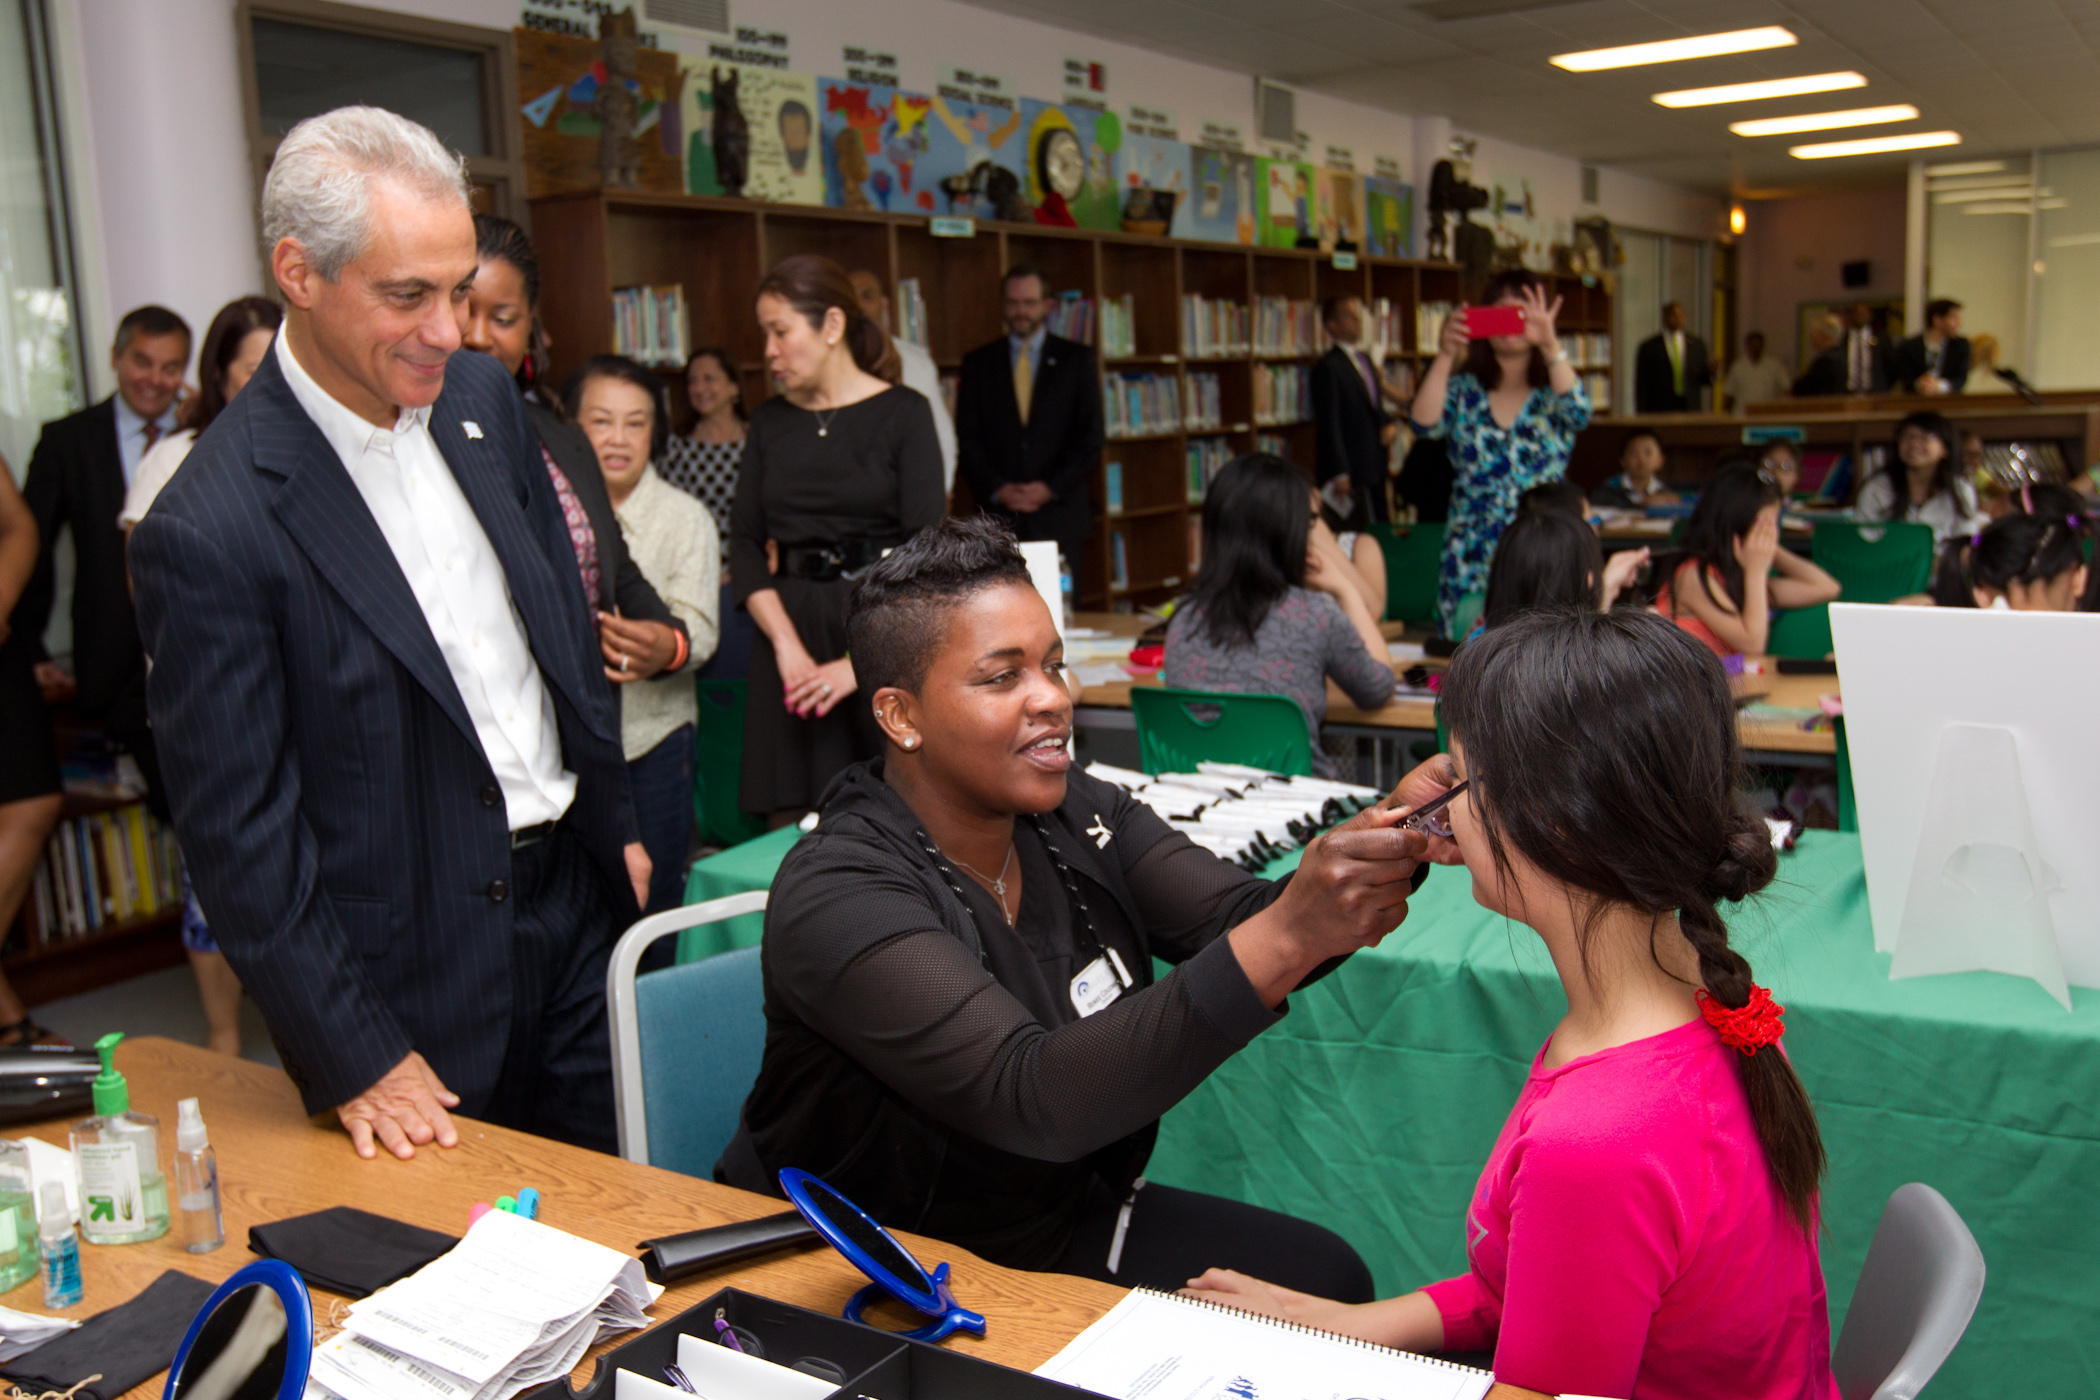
<point x="1285" y="216"/>
<point x="1222" y="203"/>
<point x="975" y="160"/>
<point x="1521" y="233"/>
<point x="560" y="75"/>
<point x="1069" y="170"/>
<point x="1389" y="218"/>
<point x="754" y="132"/>
<point x="875" y="142"/>
<point x="1339" y="210"/>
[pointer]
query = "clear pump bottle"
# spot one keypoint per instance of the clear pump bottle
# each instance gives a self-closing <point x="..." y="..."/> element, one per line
<point x="57" y="1249"/>
<point x="196" y="1182"/>
<point x="123" y="1190"/>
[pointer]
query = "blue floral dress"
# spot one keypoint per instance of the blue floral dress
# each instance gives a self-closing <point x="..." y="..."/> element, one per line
<point x="1491" y="466"/>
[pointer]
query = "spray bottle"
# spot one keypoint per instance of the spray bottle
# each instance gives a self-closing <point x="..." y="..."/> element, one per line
<point x="123" y="1190"/>
<point x="58" y="1250"/>
<point x="196" y="1182"/>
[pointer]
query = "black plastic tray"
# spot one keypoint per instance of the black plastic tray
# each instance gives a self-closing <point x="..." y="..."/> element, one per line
<point x="878" y="1365"/>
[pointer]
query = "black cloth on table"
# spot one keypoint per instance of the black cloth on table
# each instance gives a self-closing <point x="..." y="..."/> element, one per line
<point x="349" y="1251"/>
<point x="874" y="472"/>
<point x="124" y="1345"/>
<point x="926" y="1060"/>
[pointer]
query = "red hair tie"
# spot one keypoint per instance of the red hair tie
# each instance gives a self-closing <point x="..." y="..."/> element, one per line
<point x="1749" y="1028"/>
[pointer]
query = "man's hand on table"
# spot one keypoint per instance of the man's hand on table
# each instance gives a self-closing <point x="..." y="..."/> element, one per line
<point x="403" y="1111"/>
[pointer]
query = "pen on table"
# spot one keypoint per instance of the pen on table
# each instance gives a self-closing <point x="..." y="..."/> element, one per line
<point x="529" y="1203"/>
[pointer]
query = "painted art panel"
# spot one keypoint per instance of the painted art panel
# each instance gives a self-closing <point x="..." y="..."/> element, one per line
<point x="1339" y="209"/>
<point x="1099" y="136"/>
<point x="976" y="152"/>
<point x="776" y="113"/>
<point x="1224" y="200"/>
<point x="875" y="141"/>
<point x="558" y="77"/>
<point x="1285" y="214"/>
<point x="1389" y="218"/>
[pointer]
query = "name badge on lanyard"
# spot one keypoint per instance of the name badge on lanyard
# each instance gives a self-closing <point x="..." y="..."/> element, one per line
<point x="1099" y="983"/>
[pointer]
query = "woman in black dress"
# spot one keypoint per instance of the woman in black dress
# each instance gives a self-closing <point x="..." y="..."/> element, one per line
<point x="29" y="786"/>
<point x="839" y="467"/>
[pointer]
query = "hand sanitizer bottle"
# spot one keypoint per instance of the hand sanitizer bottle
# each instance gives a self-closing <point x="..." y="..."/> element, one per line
<point x="196" y="1182"/>
<point x="58" y="1249"/>
<point x="123" y="1191"/>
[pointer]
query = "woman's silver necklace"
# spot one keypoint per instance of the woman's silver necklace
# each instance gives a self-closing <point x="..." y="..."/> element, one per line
<point x="824" y="420"/>
<point x="998" y="882"/>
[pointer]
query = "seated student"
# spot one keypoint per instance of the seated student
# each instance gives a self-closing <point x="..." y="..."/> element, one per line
<point x="1732" y="571"/>
<point x="1639" y="482"/>
<point x="1342" y="532"/>
<point x="1563" y="496"/>
<point x="1783" y="461"/>
<point x="1954" y="584"/>
<point x="1268" y="613"/>
<point x="1924" y="482"/>
<point x="1646" y="1223"/>
<point x="964" y="1034"/>
<point x="1547" y="559"/>
<point x="2029" y="563"/>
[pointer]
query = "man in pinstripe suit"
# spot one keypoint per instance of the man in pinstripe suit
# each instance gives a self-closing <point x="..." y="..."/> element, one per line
<point x="392" y="752"/>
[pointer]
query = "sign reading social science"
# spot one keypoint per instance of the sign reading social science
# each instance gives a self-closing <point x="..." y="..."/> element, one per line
<point x="977" y="87"/>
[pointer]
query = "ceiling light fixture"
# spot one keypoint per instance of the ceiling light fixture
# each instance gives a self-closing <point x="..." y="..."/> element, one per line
<point x="1977" y="182"/>
<point x="1757" y="92"/>
<point x="2007" y="207"/>
<point x="1967" y="167"/>
<point x="2022" y="190"/>
<point x="1825" y="121"/>
<point x="1875" y="145"/>
<point x="1675" y="50"/>
<point x="1737" y="220"/>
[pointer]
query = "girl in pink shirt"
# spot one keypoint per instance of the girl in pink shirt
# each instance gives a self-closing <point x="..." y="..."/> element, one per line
<point x="1645" y="1226"/>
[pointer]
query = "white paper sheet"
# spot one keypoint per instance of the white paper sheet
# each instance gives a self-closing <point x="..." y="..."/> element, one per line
<point x="722" y="1374"/>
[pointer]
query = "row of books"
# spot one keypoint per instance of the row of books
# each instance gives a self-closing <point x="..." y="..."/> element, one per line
<point x="1135" y="405"/>
<point x="1118" y="327"/>
<point x="1207" y="457"/>
<point x="911" y="311"/>
<point x="1072" y="316"/>
<point x="1388" y="325"/>
<point x="649" y="324"/>
<point x="102" y="870"/>
<point x="1429" y="324"/>
<point x="1286" y="326"/>
<point x="1118" y="561"/>
<point x="1401" y="373"/>
<point x="1587" y="349"/>
<point x="1282" y="394"/>
<point x="1206" y="406"/>
<point x="1273" y="444"/>
<point x="1214" y="328"/>
<point x="1598" y="387"/>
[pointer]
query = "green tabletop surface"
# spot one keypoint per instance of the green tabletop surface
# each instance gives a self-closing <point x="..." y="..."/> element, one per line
<point x="1372" y="1107"/>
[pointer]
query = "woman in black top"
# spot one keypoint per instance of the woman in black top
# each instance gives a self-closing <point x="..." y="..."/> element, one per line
<point x="841" y="465"/>
<point x="964" y="1035"/>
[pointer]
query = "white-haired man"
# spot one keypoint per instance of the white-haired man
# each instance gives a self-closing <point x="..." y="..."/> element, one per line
<point x="393" y="755"/>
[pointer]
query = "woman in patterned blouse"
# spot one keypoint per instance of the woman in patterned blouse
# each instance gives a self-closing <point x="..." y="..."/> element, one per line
<point x="1509" y="407"/>
<point x="703" y="463"/>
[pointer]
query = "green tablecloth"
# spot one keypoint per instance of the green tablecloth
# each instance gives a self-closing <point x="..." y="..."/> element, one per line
<point x="1372" y="1107"/>
<point x="738" y="870"/>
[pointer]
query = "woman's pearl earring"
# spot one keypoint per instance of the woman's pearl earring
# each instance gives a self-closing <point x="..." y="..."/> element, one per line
<point x="911" y="743"/>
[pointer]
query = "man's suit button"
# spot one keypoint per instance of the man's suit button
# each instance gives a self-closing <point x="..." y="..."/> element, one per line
<point x="498" y="891"/>
<point x="491" y="795"/>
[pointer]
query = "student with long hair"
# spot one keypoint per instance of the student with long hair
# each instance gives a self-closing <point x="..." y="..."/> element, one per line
<point x="1733" y="571"/>
<point x="1549" y="559"/>
<point x="1924" y="482"/>
<point x="1646" y="1223"/>
<point x="1969" y="577"/>
<point x="2029" y="563"/>
<point x="839" y="467"/>
<point x="1268" y="614"/>
<point x="1509" y="407"/>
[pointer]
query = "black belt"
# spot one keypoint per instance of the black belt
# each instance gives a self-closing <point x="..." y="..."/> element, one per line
<point x="819" y="562"/>
<point x="531" y="835"/>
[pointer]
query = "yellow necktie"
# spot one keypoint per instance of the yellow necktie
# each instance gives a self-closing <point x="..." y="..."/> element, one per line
<point x="1024" y="382"/>
<point x="1676" y="365"/>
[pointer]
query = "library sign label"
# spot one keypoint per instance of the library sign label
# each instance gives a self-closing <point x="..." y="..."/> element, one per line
<point x="975" y="85"/>
<point x="1156" y="122"/>
<point x="754" y="48"/>
<point x="1086" y="84"/>
<point x="1222" y="136"/>
<point x="875" y="67"/>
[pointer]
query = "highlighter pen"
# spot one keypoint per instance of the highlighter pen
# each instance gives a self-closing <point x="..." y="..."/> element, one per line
<point x="529" y="1203"/>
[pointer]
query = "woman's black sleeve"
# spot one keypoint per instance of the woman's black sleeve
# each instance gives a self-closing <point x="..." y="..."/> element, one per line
<point x="856" y="951"/>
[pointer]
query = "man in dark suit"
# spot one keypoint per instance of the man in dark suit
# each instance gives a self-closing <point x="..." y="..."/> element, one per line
<point x="394" y="756"/>
<point x="1935" y="361"/>
<point x="1857" y="364"/>
<point x="1028" y="422"/>
<point x="78" y="474"/>
<point x="1349" y="423"/>
<point x="1671" y="368"/>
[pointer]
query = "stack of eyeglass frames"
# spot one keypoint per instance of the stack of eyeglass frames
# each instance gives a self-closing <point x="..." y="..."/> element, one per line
<point x="1245" y="815"/>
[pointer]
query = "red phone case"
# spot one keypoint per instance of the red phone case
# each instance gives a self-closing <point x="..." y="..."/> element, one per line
<point x="1484" y="321"/>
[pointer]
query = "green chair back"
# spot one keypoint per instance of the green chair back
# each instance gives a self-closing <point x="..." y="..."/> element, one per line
<point x="718" y="765"/>
<point x="1801" y="632"/>
<point x="1469" y="610"/>
<point x="1876" y="563"/>
<point x="1413" y="553"/>
<point x="1177" y="729"/>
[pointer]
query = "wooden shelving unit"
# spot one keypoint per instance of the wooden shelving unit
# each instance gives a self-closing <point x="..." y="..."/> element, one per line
<point x="42" y="971"/>
<point x="718" y="249"/>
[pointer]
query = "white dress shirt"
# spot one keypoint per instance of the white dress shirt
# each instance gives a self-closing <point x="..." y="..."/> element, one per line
<point x="922" y="374"/>
<point x="458" y="583"/>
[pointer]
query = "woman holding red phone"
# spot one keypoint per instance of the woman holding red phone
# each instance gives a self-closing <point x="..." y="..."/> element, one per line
<point x="1502" y="393"/>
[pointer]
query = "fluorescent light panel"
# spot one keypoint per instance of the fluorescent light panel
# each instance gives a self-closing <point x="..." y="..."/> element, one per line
<point x="1825" y="121"/>
<point x="2011" y="179"/>
<point x="2023" y="190"/>
<point x="1967" y="167"/>
<point x="1875" y="145"/>
<point x="1676" y="50"/>
<point x="1758" y="92"/>
<point x="2009" y="207"/>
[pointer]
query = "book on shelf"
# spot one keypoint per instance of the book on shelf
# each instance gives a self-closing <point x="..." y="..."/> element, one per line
<point x="1282" y="394"/>
<point x="1206" y="405"/>
<point x="1286" y="326"/>
<point x="1388" y="328"/>
<point x="1587" y="349"/>
<point x="1273" y="444"/>
<point x="649" y="324"/>
<point x="1071" y="315"/>
<point x="911" y="311"/>
<point x="102" y="870"/>
<point x="1598" y="387"/>
<point x="1114" y="472"/>
<point x="1210" y="328"/>
<point x="1118" y="327"/>
<point x="1118" y="561"/>
<point x="1206" y="457"/>
<point x="1429" y="325"/>
<point x="1141" y="404"/>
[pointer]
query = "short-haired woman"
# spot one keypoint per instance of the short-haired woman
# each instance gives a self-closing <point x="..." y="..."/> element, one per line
<point x="1510" y="407"/>
<point x="964" y="1033"/>
<point x="839" y="467"/>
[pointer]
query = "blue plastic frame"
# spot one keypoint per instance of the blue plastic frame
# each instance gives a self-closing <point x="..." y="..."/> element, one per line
<point x="283" y="1280"/>
<point x="938" y="1303"/>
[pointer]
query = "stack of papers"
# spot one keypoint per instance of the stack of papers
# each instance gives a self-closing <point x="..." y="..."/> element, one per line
<point x="513" y="1305"/>
<point x="22" y="1332"/>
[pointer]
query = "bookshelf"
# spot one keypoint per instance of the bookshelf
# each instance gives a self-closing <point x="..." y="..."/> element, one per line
<point x="716" y="250"/>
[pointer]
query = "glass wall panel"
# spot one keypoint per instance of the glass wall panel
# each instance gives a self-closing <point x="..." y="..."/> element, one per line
<point x="38" y="377"/>
<point x="1976" y="254"/>
<point x="2067" y="272"/>
<point x="1638" y="304"/>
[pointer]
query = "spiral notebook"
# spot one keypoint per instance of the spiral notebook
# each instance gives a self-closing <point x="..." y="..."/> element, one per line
<point x="1161" y="1346"/>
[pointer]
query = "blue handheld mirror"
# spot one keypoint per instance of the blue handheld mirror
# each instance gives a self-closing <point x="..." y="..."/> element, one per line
<point x="252" y="1339"/>
<point x="876" y="1253"/>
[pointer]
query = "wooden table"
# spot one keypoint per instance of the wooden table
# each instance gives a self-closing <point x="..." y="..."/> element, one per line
<point x="275" y="1162"/>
